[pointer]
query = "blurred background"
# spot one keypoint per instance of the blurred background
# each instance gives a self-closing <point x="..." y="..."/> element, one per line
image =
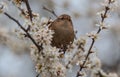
<point x="15" y="58"/>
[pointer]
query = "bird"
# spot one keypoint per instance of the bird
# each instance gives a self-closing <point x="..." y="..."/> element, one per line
<point x="63" y="32"/>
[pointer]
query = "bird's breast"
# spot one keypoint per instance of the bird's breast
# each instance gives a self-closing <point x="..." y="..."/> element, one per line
<point x="63" y="33"/>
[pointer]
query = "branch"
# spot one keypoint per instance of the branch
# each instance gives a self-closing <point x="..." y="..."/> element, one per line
<point x="39" y="47"/>
<point x="103" y="16"/>
<point x="29" y="9"/>
<point x="51" y="11"/>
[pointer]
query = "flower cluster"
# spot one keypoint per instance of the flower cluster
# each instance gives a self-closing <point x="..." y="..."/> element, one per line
<point x="3" y="7"/>
<point x="47" y="60"/>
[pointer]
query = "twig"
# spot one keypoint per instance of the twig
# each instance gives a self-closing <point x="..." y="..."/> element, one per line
<point x="51" y="11"/>
<point x="103" y="16"/>
<point x="89" y="52"/>
<point x="39" y="47"/>
<point x="29" y="9"/>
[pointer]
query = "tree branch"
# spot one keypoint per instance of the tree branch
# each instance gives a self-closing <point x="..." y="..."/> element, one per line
<point x="29" y="9"/>
<point x="39" y="47"/>
<point x="51" y="11"/>
<point x="103" y="16"/>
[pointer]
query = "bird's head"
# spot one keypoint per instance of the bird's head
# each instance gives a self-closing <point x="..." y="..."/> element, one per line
<point x="64" y="17"/>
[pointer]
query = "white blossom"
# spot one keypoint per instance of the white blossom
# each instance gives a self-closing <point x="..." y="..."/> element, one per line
<point x="3" y="7"/>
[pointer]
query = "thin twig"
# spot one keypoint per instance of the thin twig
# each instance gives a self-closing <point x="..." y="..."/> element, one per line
<point x="39" y="47"/>
<point x="51" y="11"/>
<point x="89" y="52"/>
<point x="29" y="9"/>
<point x="103" y="16"/>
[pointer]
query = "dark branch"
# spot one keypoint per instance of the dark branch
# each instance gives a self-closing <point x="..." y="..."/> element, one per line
<point x="89" y="52"/>
<point x="51" y="11"/>
<point x="25" y="30"/>
<point x="29" y="9"/>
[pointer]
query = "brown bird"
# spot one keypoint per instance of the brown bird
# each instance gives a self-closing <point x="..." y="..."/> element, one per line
<point x="64" y="32"/>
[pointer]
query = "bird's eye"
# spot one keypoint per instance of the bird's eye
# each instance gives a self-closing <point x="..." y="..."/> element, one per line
<point x="62" y="18"/>
<point x="69" y="19"/>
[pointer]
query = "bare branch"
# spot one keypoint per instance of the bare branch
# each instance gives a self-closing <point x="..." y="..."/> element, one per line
<point x="51" y="11"/>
